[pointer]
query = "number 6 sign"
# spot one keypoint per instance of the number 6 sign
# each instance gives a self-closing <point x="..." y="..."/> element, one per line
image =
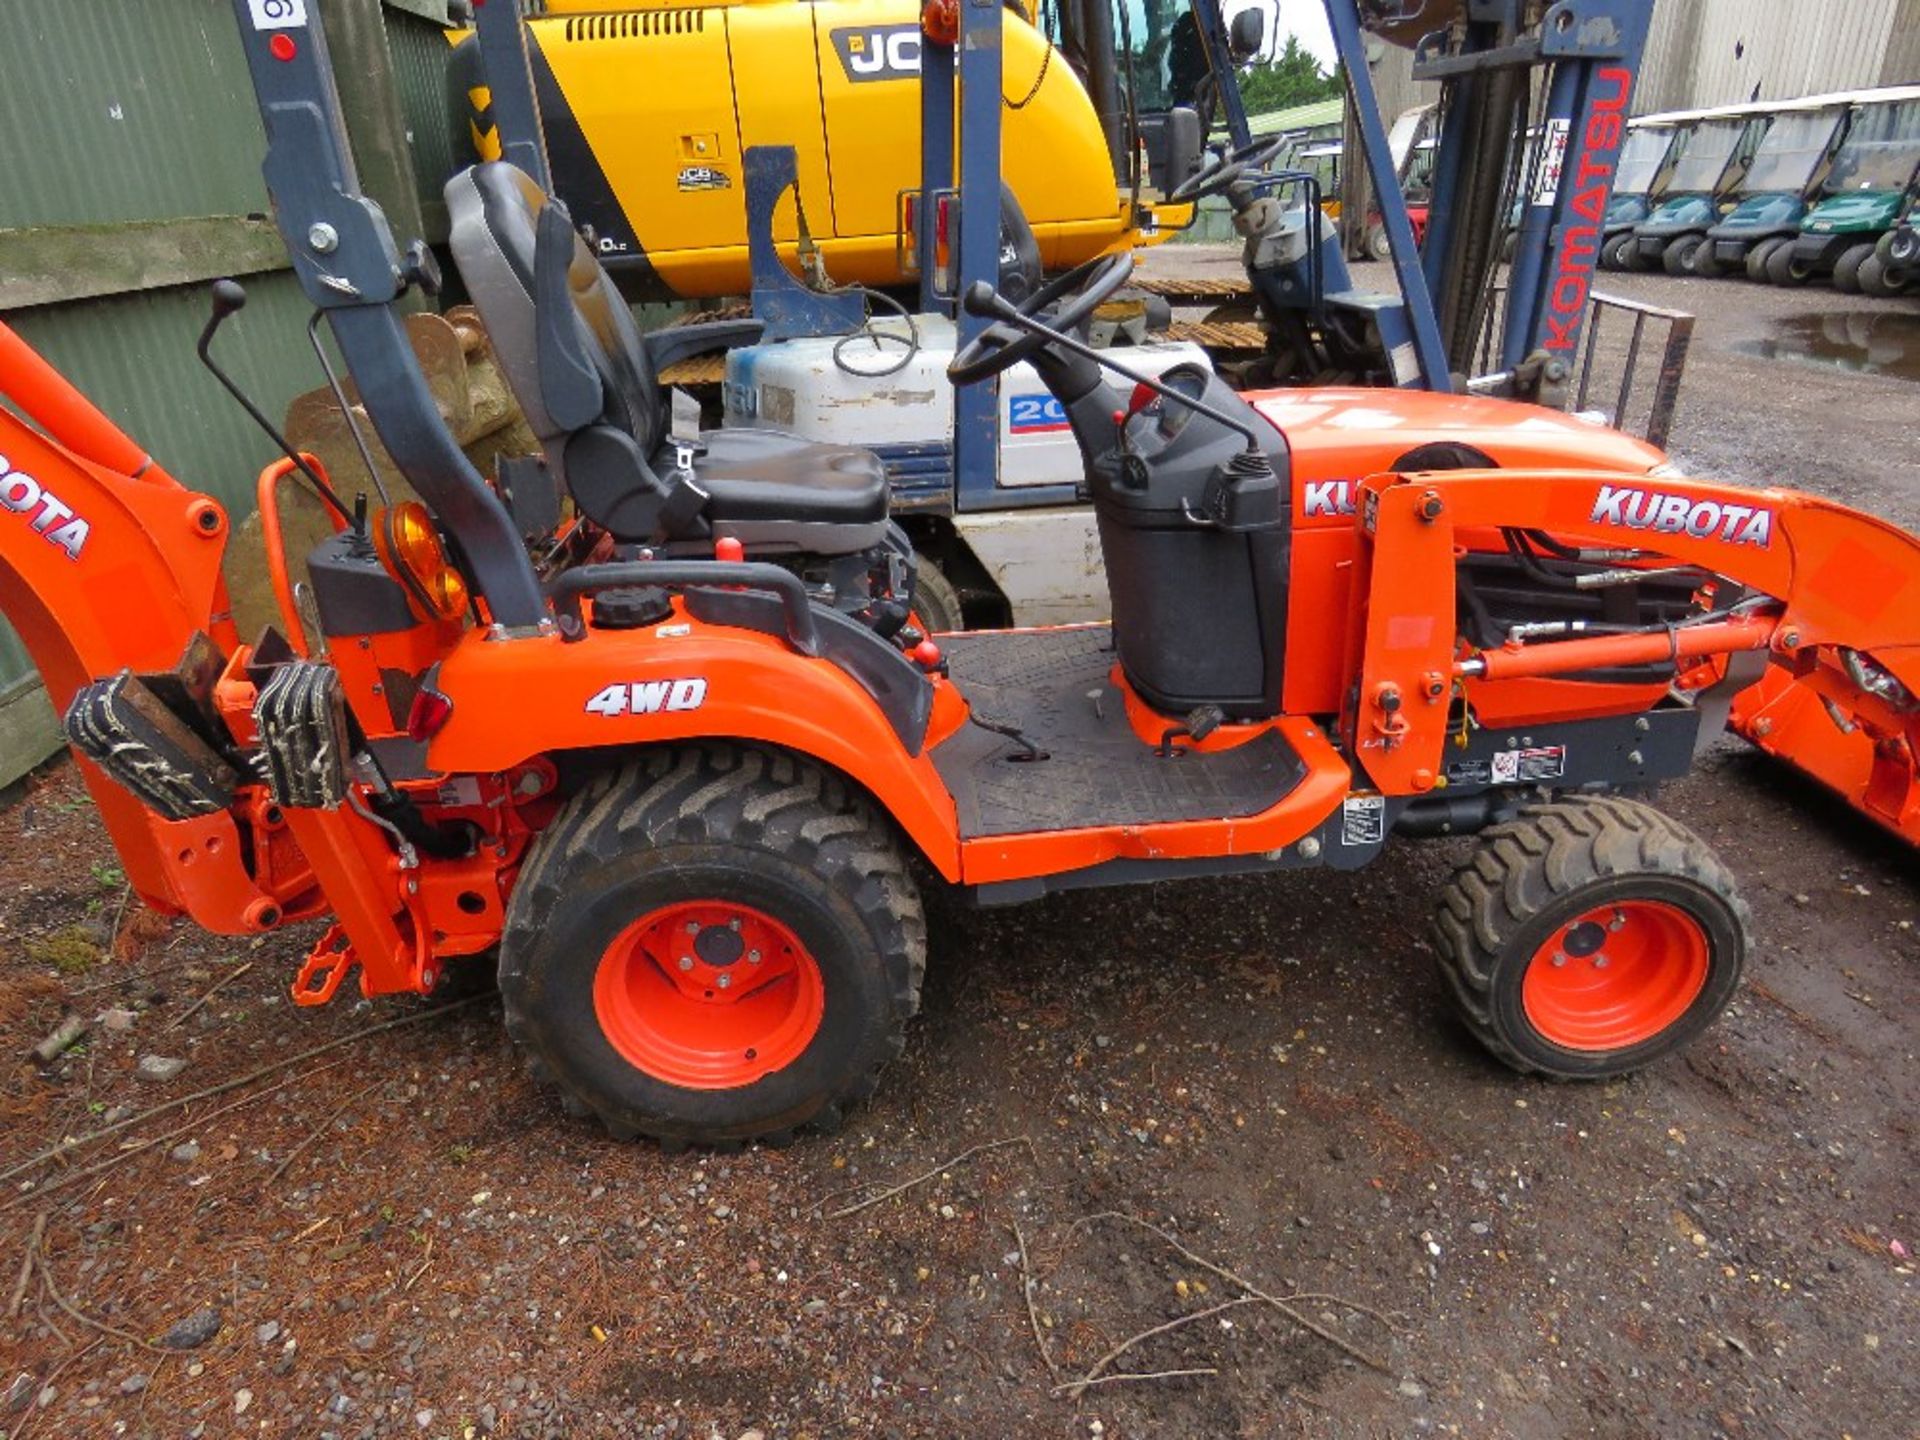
<point x="278" y="14"/>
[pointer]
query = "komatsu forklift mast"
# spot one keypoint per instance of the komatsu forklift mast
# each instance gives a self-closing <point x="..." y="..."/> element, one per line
<point x="1483" y="57"/>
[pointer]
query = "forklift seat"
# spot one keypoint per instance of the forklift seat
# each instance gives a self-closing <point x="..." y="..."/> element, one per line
<point x="577" y="364"/>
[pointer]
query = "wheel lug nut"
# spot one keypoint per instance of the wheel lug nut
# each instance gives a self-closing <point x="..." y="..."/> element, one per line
<point x="686" y="962"/>
<point x="693" y="927"/>
<point x="1618" y="922"/>
<point x="734" y="924"/>
<point x="724" y="981"/>
<point x="1559" y="957"/>
<point x="1599" y="962"/>
<point x="753" y="957"/>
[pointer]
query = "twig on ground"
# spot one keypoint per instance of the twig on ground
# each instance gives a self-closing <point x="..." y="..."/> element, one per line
<point x="64" y="1034"/>
<point x="53" y="1375"/>
<point x="1128" y="1377"/>
<point x="53" y="1293"/>
<point x="137" y="975"/>
<point x="212" y="990"/>
<point x="1277" y="1302"/>
<point x="75" y="1142"/>
<point x="322" y="1128"/>
<point x="1092" y="1377"/>
<point x="119" y="1157"/>
<point x="26" y="1265"/>
<point x="426" y="1260"/>
<point x="119" y="914"/>
<point x="1033" y="1315"/>
<point x="921" y="1179"/>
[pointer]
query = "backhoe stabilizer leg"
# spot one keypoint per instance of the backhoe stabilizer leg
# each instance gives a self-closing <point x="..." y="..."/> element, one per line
<point x="122" y="726"/>
<point x="304" y="742"/>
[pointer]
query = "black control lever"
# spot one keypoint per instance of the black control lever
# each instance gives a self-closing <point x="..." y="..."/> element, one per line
<point x="230" y="297"/>
<point x="983" y="300"/>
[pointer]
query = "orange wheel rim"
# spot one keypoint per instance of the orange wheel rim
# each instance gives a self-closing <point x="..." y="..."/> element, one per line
<point x="708" y="995"/>
<point x="1615" y="976"/>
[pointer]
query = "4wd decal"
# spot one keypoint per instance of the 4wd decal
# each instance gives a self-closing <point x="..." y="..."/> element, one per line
<point x="1326" y="497"/>
<point x="704" y="177"/>
<point x="879" y="52"/>
<point x="1636" y="509"/>
<point x="649" y="697"/>
<point x="46" y="514"/>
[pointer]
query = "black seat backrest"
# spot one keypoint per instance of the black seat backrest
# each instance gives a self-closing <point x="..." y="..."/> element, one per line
<point x="496" y="213"/>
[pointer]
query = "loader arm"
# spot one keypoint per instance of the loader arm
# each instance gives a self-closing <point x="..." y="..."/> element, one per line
<point x="1830" y="595"/>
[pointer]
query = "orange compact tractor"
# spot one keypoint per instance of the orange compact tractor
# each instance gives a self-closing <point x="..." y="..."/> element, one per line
<point x="644" y="722"/>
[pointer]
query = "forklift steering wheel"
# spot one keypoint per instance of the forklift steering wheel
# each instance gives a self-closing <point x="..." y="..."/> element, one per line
<point x="1216" y="178"/>
<point x="1002" y="346"/>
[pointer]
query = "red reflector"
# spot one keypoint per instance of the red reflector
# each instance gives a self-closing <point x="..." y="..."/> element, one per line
<point x="428" y="715"/>
<point x="729" y="549"/>
<point x="282" y="46"/>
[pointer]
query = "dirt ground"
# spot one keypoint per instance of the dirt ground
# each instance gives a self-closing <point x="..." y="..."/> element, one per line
<point x="400" y="1235"/>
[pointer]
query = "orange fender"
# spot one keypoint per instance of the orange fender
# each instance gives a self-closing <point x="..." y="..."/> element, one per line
<point x="514" y="699"/>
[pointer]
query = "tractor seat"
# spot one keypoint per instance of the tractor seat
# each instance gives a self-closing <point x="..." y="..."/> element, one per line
<point x="578" y="365"/>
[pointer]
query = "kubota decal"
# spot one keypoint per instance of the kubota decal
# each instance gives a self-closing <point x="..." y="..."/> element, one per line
<point x="1327" y="497"/>
<point x="1637" y="509"/>
<point x="54" y="521"/>
<point x="649" y="697"/>
<point x="879" y="52"/>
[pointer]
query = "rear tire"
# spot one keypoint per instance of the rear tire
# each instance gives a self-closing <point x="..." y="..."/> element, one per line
<point x="710" y="850"/>
<point x="1588" y="937"/>
<point x="1379" y="247"/>
<point x="1630" y="258"/>
<point x="1783" y="272"/>
<point x="1677" y="258"/>
<point x="1758" y="256"/>
<point x="1706" y="264"/>
<point x="1846" y="270"/>
<point x="936" y="604"/>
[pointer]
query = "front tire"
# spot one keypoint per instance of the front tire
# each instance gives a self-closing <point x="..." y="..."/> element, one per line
<point x="1880" y="281"/>
<point x="1677" y="258"/>
<point x="1588" y="937"/>
<point x="713" y="945"/>
<point x="1846" y="270"/>
<point x="1758" y="256"/>
<point x="1783" y="271"/>
<point x="936" y="604"/>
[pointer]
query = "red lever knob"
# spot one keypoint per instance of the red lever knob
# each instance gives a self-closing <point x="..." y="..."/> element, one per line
<point x="729" y="549"/>
<point x="926" y="654"/>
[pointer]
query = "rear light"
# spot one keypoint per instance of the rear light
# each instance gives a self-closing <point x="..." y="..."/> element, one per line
<point x="410" y="548"/>
<point x="428" y="715"/>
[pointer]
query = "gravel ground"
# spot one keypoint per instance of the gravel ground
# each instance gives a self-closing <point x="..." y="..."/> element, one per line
<point x="402" y="1236"/>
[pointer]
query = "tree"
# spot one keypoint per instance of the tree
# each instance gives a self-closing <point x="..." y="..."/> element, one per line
<point x="1292" y="77"/>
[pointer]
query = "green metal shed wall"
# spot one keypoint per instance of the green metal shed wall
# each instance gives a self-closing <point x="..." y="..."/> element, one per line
<point x="119" y="120"/>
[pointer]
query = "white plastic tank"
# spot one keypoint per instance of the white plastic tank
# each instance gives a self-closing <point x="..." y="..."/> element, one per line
<point x="800" y="387"/>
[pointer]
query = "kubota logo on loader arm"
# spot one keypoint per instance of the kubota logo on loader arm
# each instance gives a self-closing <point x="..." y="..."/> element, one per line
<point x="49" y="516"/>
<point x="1637" y="509"/>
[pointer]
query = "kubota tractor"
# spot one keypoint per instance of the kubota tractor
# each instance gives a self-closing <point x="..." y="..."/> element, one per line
<point x="678" y="768"/>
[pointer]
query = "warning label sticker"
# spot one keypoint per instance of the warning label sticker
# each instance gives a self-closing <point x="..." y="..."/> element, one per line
<point x="1363" y="820"/>
<point x="1518" y="767"/>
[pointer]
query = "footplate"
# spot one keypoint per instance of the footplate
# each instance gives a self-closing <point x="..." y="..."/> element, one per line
<point x="325" y="967"/>
<point x="302" y="719"/>
<point x="122" y="726"/>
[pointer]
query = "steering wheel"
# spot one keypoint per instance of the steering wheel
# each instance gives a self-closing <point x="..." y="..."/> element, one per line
<point x="1002" y="346"/>
<point x="1215" y="178"/>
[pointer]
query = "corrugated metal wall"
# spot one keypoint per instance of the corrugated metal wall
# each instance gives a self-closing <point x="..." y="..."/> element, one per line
<point x="1723" y="52"/>
<point x="119" y="119"/>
